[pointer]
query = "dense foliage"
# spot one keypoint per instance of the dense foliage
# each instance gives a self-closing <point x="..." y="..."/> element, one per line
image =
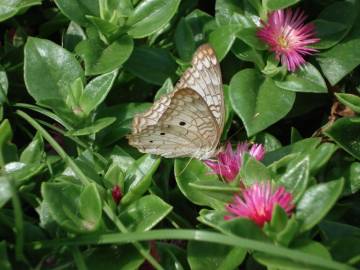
<point x="75" y="195"/>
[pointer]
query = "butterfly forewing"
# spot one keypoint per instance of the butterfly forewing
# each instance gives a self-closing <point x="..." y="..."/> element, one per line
<point x="205" y="78"/>
<point x="189" y="120"/>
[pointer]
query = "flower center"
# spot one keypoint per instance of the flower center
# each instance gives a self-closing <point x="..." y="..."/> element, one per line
<point x="283" y="42"/>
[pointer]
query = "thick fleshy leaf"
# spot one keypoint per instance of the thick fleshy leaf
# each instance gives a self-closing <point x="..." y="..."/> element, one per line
<point x="9" y="9"/>
<point x="349" y="140"/>
<point x="221" y="39"/>
<point x="6" y="190"/>
<point x="96" y="91"/>
<point x="74" y="208"/>
<point x="279" y="4"/>
<point x="184" y="40"/>
<point x="78" y="9"/>
<point x="49" y="70"/>
<point x="316" y="203"/>
<point x="144" y="213"/>
<point x="74" y="35"/>
<point x="153" y="65"/>
<point x="138" y="177"/>
<point x="306" y="79"/>
<point x="34" y="151"/>
<point x="94" y="128"/>
<point x="202" y="255"/>
<point x="340" y="60"/>
<point x="124" y="114"/>
<point x="188" y="173"/>
<point x="100" y="57"/>
<point x="233" y="12"/>
<point x="8" y="150"/>
<point x="151" y="15"/>
<point x="306" y="246"/>
<point x="111" y="257"/>
<point x="350" y="100"/>
<point x="296" y="178"/>
<point x="258" y="101"/>
<point x="247" y="53"/>
<point x="4" y="262"/>
<point x="334" y="22"/>
<point x="253" y="171"/>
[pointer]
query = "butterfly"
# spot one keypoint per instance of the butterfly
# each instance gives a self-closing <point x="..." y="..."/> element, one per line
<point x="188" y="121"/>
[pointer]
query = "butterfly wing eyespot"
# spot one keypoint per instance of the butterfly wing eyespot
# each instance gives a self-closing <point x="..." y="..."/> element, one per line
<point x="189" y="120"/>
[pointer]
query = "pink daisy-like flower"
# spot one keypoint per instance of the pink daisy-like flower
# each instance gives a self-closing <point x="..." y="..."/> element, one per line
<point x="258" y="201"/>
<point x="288" y="36"/>
<point x="229" y="162"/>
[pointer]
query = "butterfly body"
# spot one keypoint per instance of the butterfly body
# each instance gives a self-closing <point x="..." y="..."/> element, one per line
<point x="187" y="122"/>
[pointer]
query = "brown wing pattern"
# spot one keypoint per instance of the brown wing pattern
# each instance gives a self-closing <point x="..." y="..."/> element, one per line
<point x="205" y="78"/>
<point x="186" y="128"/>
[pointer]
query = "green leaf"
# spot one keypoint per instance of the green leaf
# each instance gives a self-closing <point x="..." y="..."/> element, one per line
<point x="34" y="151"/>
<point x="334" y="22"/>
<point x="202" y="255"/>
<point x="305" y="79"/>
<point x="340" y="60"/>
<point x="6" y="190"/>
<point x="49" y="70"/>
<point x="221" y="39"/>
<point x="96" y="91"/>
<point x="100" y="57"/>
<point x="279" y="4"/>
<point x="74" y="34"/>
<point x="112" y="257"/>
<point x="349" y="100"/>
<point x="249" y="37"/>
<point x="349" y="140"/>
<point x="144" y="213"/>
<point x="306" y="246"/>
<point x="76" y="10"/>
<point x="9" y="9"/>
<point x="124" y="114"/>
<point x="258" y="101"/>
<point x="4" y="262"/>
<point x="151" y="15"/>
<point x="75" y="209"/>
<point x="4" y="85"/>
<point x="8" y="151"/>
<point x="253" y="171"/>
<point x="138" y="177"/>
<point x="188" y="172"/>
<point x="247" y="53"/>
<point x="231" y="12"/>
<point x="316" y="203"/>
<point x="166" y="88"/>
<point x="153" y="65"/>
<point x="94" y="128"/>
<point x="296" y="178"/>
<point x="184" y="40"/>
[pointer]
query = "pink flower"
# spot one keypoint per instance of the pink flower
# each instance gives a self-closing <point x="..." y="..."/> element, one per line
<point x="116" y="194"/>
<point x="258" y="201"/>
<point x="229" y="162"/>
<point x="288" y="36"/>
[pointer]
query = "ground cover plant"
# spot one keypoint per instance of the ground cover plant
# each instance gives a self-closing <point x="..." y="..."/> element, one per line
<point x="281" y="192"/>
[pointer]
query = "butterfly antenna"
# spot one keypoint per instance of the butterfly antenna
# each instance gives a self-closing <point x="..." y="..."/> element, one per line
<point x="187" y="164"/>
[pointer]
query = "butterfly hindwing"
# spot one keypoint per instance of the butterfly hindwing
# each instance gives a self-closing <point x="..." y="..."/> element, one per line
<point x="186" y="128"/>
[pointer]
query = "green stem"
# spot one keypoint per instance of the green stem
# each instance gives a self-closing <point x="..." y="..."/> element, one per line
<point x="310" y="261"/>
<point x="78" y="258"/>
<point x="137" y="245"/>
<point x="82" y="177"/>
<point x="19" y="225"/>
<point x="85" y="181"/>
